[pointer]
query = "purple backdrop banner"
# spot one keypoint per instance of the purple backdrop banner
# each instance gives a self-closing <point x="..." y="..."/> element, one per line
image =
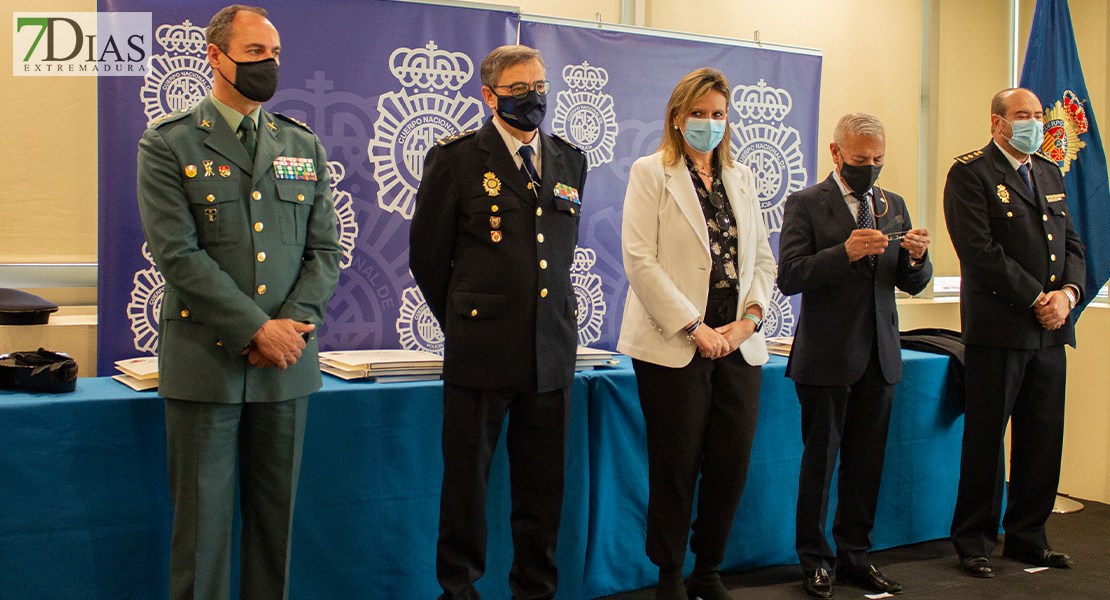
<point x="378" y="81"/>
<point x="612" y="87"/>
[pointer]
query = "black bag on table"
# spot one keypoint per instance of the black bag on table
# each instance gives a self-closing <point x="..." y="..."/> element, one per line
<point x="39" y="371"/>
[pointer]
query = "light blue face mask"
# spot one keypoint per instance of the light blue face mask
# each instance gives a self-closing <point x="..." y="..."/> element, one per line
<point x="703" y="135"/>
<point x="1027" y="135"/>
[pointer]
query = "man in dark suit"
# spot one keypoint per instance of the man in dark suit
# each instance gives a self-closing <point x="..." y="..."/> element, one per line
<point x="834" y="250"/>
<point x="491" y="246"/>
<point x="1023" y="272"/>
<point x="237" y="211"/>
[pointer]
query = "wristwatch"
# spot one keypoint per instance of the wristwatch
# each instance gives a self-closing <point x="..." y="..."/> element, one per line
<point x="754" y="319"/>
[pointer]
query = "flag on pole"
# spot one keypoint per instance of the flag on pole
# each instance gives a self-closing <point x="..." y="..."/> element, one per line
<point x="1052" y="72"/>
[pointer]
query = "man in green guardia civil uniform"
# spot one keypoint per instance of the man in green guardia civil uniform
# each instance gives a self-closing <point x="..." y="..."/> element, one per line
<point x="238" y="216"/>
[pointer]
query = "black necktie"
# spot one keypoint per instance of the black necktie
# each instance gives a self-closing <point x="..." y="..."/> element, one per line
<point x="527" y="169"/>
<point x="865" y="219"/>
<point x="246" y="127"/>
<point x="1023" y="170"/>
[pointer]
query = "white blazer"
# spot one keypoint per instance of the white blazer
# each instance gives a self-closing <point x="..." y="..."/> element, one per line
<point x="667" y="260"/>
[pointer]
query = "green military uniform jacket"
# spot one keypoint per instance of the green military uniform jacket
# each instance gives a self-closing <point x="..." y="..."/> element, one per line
<point x="238" y="244"/>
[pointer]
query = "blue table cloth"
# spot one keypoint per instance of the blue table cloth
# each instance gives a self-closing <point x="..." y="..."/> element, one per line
<point x="85" y="510"/>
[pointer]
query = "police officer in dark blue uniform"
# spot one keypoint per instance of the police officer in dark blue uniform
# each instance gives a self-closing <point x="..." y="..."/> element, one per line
<point x="491" y="246"/>
<point x="1023" y="272"/>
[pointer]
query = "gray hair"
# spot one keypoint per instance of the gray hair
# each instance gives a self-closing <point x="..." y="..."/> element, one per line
<point x="219" y="28"/>
<point x="503" y="58"/>
<point x="856" y="124"/>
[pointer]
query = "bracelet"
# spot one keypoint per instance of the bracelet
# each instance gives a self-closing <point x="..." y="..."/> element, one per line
<point x="754" y="319"/>
<point x="690" y="329"/>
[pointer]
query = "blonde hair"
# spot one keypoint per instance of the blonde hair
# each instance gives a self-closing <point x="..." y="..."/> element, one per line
<point x="689" y="91"/>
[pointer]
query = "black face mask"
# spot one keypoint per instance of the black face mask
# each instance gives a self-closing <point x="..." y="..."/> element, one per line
<point x="525" y="113"/>
<point x="256" y="80"/>
<point x="860" y="179"/>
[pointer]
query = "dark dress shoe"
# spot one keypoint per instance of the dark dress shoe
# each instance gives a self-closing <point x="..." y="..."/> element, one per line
<point x="818" y="584"/>
<point x="977" y="566"/>
<point x="1041" y="558"/>
<point x="870" y="579"/>
<point x="706" y="585"/>
<point x="670" y="585"/>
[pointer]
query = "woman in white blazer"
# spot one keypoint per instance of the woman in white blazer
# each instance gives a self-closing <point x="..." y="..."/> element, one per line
<point x="700" y="270"/>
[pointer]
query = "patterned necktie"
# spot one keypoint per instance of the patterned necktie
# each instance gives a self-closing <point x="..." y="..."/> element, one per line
<point x="527" y="169"/>
<point x="865" y="219"/>
<point x="246" y="127"/>
<point x="1023" y="170"/>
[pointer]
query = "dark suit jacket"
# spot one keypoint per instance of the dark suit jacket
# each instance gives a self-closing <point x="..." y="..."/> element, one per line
<point x="845" y="305"/>
<point x="1012" y="245"/>
<point x="494" y="261"/>
<point x="237" y="246"/>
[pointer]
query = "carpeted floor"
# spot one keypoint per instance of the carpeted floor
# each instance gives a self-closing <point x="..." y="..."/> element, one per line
<point x="928" y="571"/>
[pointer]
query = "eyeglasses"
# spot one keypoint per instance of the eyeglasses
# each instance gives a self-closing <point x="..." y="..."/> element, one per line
<point x="722" y="217"/>
<point x="520" y="89"/>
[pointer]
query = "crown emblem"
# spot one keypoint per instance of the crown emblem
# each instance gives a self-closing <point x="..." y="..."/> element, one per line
<point x="1063" y="124"/>
<point x="183" y="39"/>
<point x="430" y="68"/>
<point x="761" y="103"/>
<point x="585" y="77"/>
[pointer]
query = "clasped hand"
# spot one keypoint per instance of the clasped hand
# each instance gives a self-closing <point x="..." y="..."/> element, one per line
<point x="722" y="341"/>
<point x="1052" y="309"/>
<point x="278" y="343"/>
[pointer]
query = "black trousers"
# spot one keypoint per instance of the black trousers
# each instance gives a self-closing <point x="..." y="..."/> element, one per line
<point x="852" y="420"/>
<point x="1025" y="387"/>
<point x="536" y="442"/>
<point x="700" y="418"/>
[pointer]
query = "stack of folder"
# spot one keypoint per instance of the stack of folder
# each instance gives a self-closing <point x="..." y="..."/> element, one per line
<point x="382" y="366"/>
<point x="780" y="345"/>
<point x="139" y="374"/>
<point x="592" y="358"/>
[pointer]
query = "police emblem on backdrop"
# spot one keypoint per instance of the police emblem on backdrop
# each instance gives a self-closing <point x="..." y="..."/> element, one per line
<point x="779" y="320"/>
<point x="1063" y="123"/>
<point x="591" y="300"/>
<point x="181" y="77"/>
<point x="772" y="150"/>
<point x="416" y="325"/>
<point x="411" y="120"/>
<point x="344" y="212"/>
<point x="145" y="307"/>
<point x="584" y="116"/>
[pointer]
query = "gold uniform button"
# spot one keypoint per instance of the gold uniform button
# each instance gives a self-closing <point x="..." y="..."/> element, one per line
<point x="1050" y="237"/>
<point x="257" y="195"/>
<point x="539" y="212"/>
<point x="493" y="208"/>
<point x="261" y="257"/>
<point x="262" y="289"/>
<point x="539" y="238"/>
<point x="1009" y="214"/>
<point x="576" y="312"/>
<point x="1044" y="217"/>
<point x="543" y="293"/>
<point x="211" y="198"/>
<point x="543" y="264"/>
<point x="572" y="210"/>
<point x="258" y="226"/>
<point x="1053" y="278"/>
<point x="184" y="314"/>
<point x="1053" y="257"/>
<point x="218" y="343"/>
<point x="300" y="197"/>
<point x="474" y="313"/>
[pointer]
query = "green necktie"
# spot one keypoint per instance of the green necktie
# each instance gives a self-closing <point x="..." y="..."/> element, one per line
<point x="246" y="127"/>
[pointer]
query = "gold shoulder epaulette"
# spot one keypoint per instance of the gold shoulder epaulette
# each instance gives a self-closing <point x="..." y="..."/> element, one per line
<point x="970" y="156"/>
<point x="295" y="122"/>
<point x="456" y="137"/>
<point x="170" y="118"/>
